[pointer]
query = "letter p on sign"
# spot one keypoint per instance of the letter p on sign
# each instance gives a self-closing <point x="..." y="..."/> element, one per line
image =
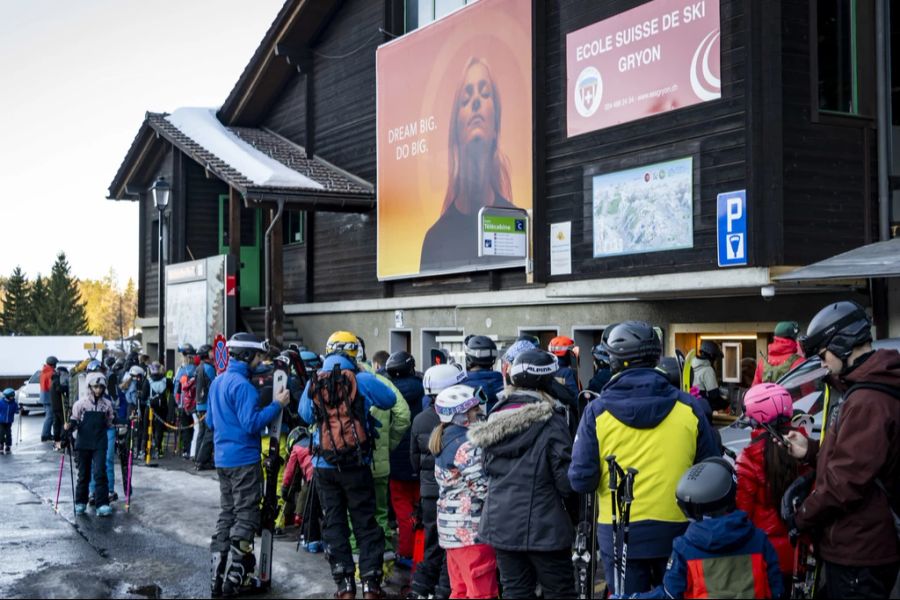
<point x="732" y="228"/>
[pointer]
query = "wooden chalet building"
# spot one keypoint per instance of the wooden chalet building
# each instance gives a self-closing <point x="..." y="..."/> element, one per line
<point x="788" y="128"/>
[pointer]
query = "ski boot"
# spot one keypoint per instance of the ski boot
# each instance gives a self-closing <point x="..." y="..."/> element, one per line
<point x="219" y="564"/>
<point x="104" y="511"/>
<point x="80" y="509"/>
<point x="346" y="587"/>
<point x="239" y="578"/>
<point x="371" y="585"/>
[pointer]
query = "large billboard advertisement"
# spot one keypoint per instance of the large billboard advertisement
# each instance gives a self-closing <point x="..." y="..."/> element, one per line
<point x="454" y="127"/>
<point x="646" y="209"/>
<point x="657" y="57"/>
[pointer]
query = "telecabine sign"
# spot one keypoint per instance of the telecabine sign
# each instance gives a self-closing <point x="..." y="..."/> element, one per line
<point x="657" y="57"/>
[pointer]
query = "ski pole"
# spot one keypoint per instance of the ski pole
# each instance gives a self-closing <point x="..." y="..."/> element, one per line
<point x="62" y="463"/>
<point x="613" y="493"/>
<point x="628" y="498"/>
<point x="130" y="458"/>
<point x="71" y="475"/>
<point x="20" y="431"/>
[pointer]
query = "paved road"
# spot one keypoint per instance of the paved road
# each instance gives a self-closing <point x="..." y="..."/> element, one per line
<point x="158" y="549"/>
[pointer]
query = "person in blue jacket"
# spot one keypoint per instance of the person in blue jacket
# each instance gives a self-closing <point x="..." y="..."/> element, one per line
<point x="722" y="554"/>
<point x="237" y="421"/>
<point x="651" y="426"/>
<point x="481" y="354"/>
<point x="9" y="408"/>
<point x="350" y="488"/>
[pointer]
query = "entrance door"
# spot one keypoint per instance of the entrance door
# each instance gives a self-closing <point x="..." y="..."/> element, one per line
<point x="251" y="255"/>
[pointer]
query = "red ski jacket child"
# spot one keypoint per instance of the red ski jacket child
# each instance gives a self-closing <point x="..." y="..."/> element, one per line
<point x="300" y="460"/>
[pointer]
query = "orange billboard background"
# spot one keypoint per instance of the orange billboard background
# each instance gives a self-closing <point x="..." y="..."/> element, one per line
<point x="417" y="78"/>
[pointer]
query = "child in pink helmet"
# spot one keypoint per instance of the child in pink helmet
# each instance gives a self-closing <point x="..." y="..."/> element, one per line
<point x="765" y="468"/>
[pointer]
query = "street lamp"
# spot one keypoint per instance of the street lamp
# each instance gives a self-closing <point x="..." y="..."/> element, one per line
<point x="161" y="190"/>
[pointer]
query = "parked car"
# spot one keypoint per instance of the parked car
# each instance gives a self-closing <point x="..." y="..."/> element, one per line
<point x="29" y="395"/>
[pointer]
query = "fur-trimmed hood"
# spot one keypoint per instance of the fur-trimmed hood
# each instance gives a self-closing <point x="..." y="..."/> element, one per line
<point x="507" y="423"/>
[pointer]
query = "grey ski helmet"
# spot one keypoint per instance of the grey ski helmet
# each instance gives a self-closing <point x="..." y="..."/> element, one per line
<point x="52" y="361"/>
<point x="838" y="328"/>
<point x="244" y="346"/>
<point x="707" y="489"/>
<point x="533" y="369"/>
<point x="481" y="351"/>
<point x="710" y="350"/>
<point x="632" y="344"/>
<point x="400" y="364"/>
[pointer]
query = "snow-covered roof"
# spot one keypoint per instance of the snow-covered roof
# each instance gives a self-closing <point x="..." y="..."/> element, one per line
<point x="202" y="126"/>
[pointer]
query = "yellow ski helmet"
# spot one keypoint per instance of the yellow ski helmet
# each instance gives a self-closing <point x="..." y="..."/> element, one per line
<point x="344" y="342"/>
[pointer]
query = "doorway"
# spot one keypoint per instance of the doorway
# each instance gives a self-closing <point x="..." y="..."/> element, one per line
<point x="251" y="255"/>
<point x="586" y="337"/>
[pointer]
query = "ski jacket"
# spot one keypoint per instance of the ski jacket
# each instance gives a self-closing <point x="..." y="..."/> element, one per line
<point x="459" y="471"/>
<point x="185" y="372"/>
<point x="157" y="396"/>
<point x="235" y="417"/>
<point x="92" y="417"/>
<point x="203" y="382"/>
<point x="46" y="374"/>
<point x="846" y="509"/>
<point x="420" y="456"/>
<point x="655" y="428"/>
<point x="600" y="378"/>
<point x="527" y="451"/>
<point x="392" y="422"/>
<point x="705" y="380"/>
<point x="8" y="411"/>
<point x="56" y="393"/>
<point x="135" y="395"/>
<point x="754" y="498"/>
<point x="300" y="461"/>
<point x="490" y="381"/>
<point x="721" y="557"/>
<point x="413" y="392"/>
<point x="780" y="350"/>
<point x="568" y="377"/>
<point x="374" y="391"/>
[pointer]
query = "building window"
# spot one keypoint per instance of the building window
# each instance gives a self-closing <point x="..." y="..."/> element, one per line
<point x="838" y="76"/>
<point x="294" y="226"/>
<point x="154" y="241"/>
<point x="422" y="12"/>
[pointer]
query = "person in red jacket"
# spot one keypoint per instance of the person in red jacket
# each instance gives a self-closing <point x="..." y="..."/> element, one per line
<point x="784" y="354"/>
<point x="765" y="468"/>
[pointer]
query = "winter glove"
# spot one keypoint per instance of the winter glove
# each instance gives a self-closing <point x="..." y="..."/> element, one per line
<point x="285" y="491"/>
<point x="793" y="497"/>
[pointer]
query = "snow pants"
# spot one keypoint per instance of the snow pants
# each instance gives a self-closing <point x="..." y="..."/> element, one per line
<point x="240" y="494"/>
<point x="5" y="435"/>
<point x="92" y="463"/>
<point x="473" y="572"/>
<point x="859" y="582"/>
<point x="521" y="572"/>
<point x="404" y="497"/>
<point x="110" y="464"/>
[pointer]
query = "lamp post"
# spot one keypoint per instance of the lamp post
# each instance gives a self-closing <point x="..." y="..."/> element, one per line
<point x="160" y="190"/>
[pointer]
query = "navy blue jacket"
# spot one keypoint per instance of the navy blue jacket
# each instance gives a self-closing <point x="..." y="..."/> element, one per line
<point x="733" y="559"/>
<point x="490" y="381"/>
<point x="600" y="378"/>
<point x="401" y="465"/>
<point x="8" y="411"/>
<point x="235" y="417"/>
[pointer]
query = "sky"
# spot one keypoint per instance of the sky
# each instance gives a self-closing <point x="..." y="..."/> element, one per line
<point x="76" y="78"/>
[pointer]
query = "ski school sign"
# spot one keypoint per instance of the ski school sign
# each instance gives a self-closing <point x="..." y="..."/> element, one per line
<point x="654" y="58"/>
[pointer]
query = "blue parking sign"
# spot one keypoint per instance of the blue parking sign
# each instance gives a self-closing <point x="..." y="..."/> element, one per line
<point x="732" y="228"/>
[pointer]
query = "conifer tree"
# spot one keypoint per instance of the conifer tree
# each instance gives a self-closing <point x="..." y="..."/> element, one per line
<point x="14" y="319"/>
<point x="37" y="308"/>
<point x="65" y="314"/>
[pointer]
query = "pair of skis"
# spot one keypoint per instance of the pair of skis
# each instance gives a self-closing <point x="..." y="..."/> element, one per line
<point x="621" y="488"/>
<point x="271" y="464"/>
<point x="584" y="549"/>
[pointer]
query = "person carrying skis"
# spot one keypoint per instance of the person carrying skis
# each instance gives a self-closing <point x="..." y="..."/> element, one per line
<point x="343" y="457"/>
<point x="92" y="415"/>
<point x="186" y="398"/>
<point x="462" y="484"/>
<point x="849" y="512"/>
<point x="784" y="354"/>
<point x="648" y="425"/>
<point x="481" y="354"/>
<point x="95" y="366"/>
<point x="237" y="421"/>
<point x="430" y="577"/>
<point x="9" y="408"/>
<point x="721" y="554"/>
<point x="564" y="349"/>
<point x="157" y="390"/>
<point x="527" y="451"/>
<point x="135" y="396"/>
<point x="206" y="373"/>
<point x="404" y="480"/>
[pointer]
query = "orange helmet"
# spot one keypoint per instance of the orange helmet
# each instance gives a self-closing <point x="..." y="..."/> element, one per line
<point x="561" y="345"/>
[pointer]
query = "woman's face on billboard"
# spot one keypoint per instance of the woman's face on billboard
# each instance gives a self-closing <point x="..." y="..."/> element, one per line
<point x="475" y="116"/>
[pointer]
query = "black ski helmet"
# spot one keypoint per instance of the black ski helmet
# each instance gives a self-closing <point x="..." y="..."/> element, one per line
<point x="187" y="349"/>
<point x="533" y="369"/>
<point x="632" y="344"/>
<point x="52" y="361"/>
<point x="244" y="346"/>
<point x="481" y="351"/>
<point x="601" y="357"/>
<point x="707" y="489"/>
<point x="709" y="350"/>
<point x="204" y="351"/>
<point x="838" y="328"/>
<point x="671" y="368"/>
<point x="400" y="364"/>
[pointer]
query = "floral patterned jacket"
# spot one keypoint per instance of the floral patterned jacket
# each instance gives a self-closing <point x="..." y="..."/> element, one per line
<point x="459" y="471"/>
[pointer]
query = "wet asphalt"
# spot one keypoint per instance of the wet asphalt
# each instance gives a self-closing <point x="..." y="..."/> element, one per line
<point x="158" y="549"/>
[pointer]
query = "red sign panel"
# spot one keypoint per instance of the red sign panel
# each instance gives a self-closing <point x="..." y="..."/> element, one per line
<point x="654" y="58"/>
<point x="230" y="285"/>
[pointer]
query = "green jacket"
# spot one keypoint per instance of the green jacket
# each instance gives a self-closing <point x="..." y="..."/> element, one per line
<point x="394" y="423"/>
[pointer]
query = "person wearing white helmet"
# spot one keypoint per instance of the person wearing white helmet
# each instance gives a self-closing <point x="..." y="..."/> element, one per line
<point x="463" y="485"/>
<point x="92" y="415"/>
<point x="430" y="577"/>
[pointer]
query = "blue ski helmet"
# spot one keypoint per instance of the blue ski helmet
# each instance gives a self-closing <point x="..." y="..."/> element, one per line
<point x="9" y="393"/>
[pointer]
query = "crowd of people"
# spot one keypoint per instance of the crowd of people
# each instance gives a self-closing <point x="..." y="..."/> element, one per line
<point x="474" y="476"/>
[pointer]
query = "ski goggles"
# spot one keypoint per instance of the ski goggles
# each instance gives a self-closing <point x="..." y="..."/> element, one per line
<point x="262" y="346"/>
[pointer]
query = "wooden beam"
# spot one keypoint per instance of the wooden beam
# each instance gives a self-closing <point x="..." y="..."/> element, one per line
<point x="277" y="251"/>
<point x="309" y="238"/>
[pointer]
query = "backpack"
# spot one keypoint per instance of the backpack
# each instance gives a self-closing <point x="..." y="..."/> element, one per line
<point x="772" y="373"/>
<point x="202" y="384"/>
<point x="157" y="392"/>
<point x="341" y="418"/>
<point x="188" y="393"/>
